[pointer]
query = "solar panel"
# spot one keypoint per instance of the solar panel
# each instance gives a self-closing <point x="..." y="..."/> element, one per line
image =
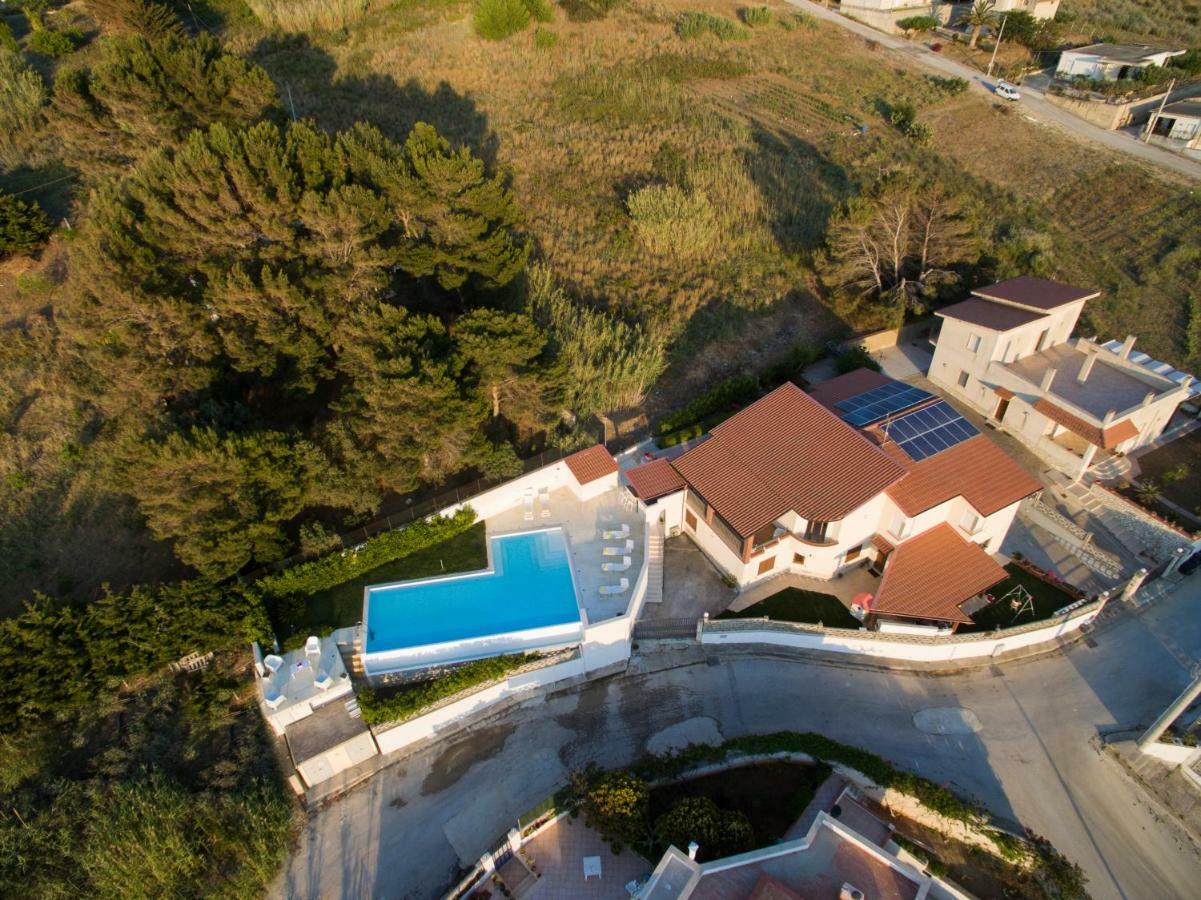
<point x="930" y="430"/>
<point x="879" y="402"/>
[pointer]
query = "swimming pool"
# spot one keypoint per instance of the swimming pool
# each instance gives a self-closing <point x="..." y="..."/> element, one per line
<point x="525" y="600"/>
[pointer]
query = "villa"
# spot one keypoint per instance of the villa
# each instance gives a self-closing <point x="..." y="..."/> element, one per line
<point x="865" y="472"/>
<point x="1008" y="352"/>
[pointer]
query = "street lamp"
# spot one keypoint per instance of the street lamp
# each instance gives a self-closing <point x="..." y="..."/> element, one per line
<point x="997" y="44"/>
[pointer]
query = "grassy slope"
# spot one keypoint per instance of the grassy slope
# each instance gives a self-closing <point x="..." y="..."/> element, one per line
<point x="1178" y="22"/>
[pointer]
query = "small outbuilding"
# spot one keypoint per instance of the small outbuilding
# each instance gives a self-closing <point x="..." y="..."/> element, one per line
<point x="1111" y="62"/>
<point x="1177" y="126"/>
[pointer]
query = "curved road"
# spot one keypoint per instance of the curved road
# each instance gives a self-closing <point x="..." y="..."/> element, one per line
<point x="1032" y="103"/>
<point x="1034" y="761"/>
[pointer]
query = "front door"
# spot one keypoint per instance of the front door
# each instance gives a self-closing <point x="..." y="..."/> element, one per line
<point x="1002" y="408"/>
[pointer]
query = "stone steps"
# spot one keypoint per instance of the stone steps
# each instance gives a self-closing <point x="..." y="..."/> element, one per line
<point x="654" y="565"/>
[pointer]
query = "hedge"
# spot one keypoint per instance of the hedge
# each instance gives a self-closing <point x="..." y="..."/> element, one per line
<point x="731" y="392"/>
<point x="409" y="700"/>
<point x="329" y="571"/>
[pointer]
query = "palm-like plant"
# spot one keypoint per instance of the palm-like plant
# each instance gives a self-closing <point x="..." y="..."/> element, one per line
<point x="983" y="12"/>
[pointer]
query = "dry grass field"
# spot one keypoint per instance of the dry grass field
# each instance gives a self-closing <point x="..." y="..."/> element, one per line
<point x="1145" y="21"/>
<point x="763" y="128"/>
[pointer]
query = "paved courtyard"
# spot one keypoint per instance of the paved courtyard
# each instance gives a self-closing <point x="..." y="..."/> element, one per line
<point x="558" y="854"/>
<point x="692" y="586"/>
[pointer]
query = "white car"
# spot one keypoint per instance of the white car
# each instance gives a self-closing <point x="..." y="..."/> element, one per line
<point x="1007" y="91"/>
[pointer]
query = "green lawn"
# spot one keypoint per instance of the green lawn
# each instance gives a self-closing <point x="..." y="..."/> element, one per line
<point x="772" y="795"/>
<point x="343" y="605"/>
<point x="1047" y="599"/>
<point x="796" y="605"/>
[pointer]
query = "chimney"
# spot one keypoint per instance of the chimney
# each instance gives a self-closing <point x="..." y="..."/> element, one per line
<point x="693" y="846"/>
<point x="1087" y="367"/>
<point x="1150" y="396"/>
<point x="1127" y="346"/>
<point x="1048" y="377"/>
<point x="1109" y="416"/>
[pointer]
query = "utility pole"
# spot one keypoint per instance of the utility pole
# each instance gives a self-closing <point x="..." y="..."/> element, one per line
<point x="996" y="45"/>
<point x="1155" y="118"/>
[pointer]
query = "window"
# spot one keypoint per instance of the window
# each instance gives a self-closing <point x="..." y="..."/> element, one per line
<point x="963" y="377"/>
<point x="970" y="522"/>
<point x="853" y="554"/>
<point x="766" y="565"/>
<point x="973" y="342"/>
<point x="690" y="519"/>
<point x="899" y="526"/>
<point x="798" y="559"/>
<point x="815" y="531"/>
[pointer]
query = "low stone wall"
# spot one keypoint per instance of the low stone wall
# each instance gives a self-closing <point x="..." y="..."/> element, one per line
<point x="916" y="648"/>
<point x="1112" y="115"/>
<point x="1160" y="537"/>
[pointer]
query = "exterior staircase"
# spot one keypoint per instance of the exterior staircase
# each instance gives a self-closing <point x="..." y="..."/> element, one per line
<point x="1112" y="468"/>
<point x="1070" y="535"/>
<point x="654" y="564"/>
<point x="352" y="708"/>
<point x="1082" y="494"/>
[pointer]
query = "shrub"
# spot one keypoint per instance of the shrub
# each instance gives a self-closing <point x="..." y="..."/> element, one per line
<point x="854" y="358"/>
<point x="495" y="20"/>
<point x="54" y="43"/>
<point x="953" y="86"/>
<point x="1176" y="473"/>
<point x="617" y="804"/>
<point x="23" y="226"/>
<point x="756" y="16"/>
<point x="540" y="9"/>
<point x="790" y="367"/>
<point x="409" y="700"/>
<point x="695" y="24"/>
<point x="670" y="219"/>
<point x="719" y="832"/>
<point x="798" y="20"/>
<point x="919" y="133"/>
<point x="321" y="574"/>
<point x="902" y="115"/>
<point x="917" y="24"/>
<point x="730" y="393"/>
<point x="544" y="38"/>
<point x="588" y="10"/>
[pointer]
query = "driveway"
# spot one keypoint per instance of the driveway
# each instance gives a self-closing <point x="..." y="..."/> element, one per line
<point x="1032" y="104"/>
<point x="1035" y="761"/>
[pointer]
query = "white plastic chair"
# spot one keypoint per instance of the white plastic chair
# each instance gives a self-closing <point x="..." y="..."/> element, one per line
<point x="322" y="682"/>
<point x="616" y="567"/>
<point x="544" y="501"/>
<point x="312" y="646"/>
<point x="273" y="699"/>
<point x="529" y="505"/>
<point x="618" y="534"/>
<point x="272" y="663"/>
<point x="620" y="588"/>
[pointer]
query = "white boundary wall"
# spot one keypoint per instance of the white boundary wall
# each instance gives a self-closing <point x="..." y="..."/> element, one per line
<point x="865" y="643"/>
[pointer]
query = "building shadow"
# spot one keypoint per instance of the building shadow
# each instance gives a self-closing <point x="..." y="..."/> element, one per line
<point x="311" y="87"/>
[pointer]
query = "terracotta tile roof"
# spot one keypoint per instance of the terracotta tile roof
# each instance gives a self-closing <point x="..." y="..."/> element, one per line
<point x="591" y="464"/>
<point x="880" y="542"/>
<point x="1004" y="393"/>
<point x="1036" y="293"/>
<point x="929" y="576"/>
<point x="843" y="387"/>
<point x="977" y="469"/>
<point x="786" y="452"/>
<point x="1106" y="440"/>
<point x="987" y="314"/>
<point x="654" y="479"/>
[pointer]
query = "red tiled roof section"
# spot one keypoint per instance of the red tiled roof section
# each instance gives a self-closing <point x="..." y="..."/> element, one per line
<point x="786" y="452"/>
<point x="843" y="387"/>
<point x="653" y="480"/>
<point x="1106" y="440"/>
<point x="929" y="576"/>
<point x="881" y="543"/>
<point x="987" y="314"/>
<point x="1003" y="392"/>
<point x="977" y="469"/>
<point x="1036" y="293"/>
<point x="591" y="464"/>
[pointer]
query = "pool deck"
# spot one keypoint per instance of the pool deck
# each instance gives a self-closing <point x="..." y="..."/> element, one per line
<point x="583" y="522"/>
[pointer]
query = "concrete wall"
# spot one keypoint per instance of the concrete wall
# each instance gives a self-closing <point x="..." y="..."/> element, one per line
<point x="895" y="646"/>
<point x="1174" y="754"/>
<point x="552" y="637"/>
<point x="337" y="759"/>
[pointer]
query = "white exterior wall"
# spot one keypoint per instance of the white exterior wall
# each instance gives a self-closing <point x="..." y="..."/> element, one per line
<point x="1073" y="64"/>
<point x="337" y="759"/>
<point x="670" y="508"/>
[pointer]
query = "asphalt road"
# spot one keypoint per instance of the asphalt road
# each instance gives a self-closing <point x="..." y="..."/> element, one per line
<point x="1033" y="104"/>
<point x="1034" y="761"/>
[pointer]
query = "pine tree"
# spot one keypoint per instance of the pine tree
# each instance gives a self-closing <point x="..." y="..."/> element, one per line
<point x="23" y="226"/>
<point x="149" y="92"/>
<point x="502" y="347"/>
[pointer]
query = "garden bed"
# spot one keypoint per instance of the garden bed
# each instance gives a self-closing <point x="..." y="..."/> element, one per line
<point x="796" y="605"/>
<point x="1047" y="599"/>
<point x="1176" y="469"/>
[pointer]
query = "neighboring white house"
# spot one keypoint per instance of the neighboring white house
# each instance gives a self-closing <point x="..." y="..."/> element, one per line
<point x="884" y="14"/>
<point x="1109" y="62"/>
<point x="865" y="471"/>
<point x="1177" y="126"/>
<point x="1008" y="352"/>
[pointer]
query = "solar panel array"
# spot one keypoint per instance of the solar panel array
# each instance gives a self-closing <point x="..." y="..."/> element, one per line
<point x="930" y="430"/>
<point x="879" y="402"/>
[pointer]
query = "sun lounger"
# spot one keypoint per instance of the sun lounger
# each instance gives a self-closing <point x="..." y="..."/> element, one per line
<point x="272" y="663"/>
<point x="529" y="505"/>
<point x="273" y="698"/>
<point x="618" y="534"/>
<point x="322" y="681"/>
<point x="616" y="567"/>
<point x="544" y="501"/>
<point x="615" y="588"/>
<point x="614" y="551"/>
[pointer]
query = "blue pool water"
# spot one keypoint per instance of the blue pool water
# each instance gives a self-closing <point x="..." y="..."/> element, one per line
<point x="530" y="586"/>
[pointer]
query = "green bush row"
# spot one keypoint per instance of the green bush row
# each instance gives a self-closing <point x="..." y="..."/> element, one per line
<point x="730" y="393"/>
<point x="406" y="702"/>
<point x="336" y="568"/>
<point x="934" y="796"/>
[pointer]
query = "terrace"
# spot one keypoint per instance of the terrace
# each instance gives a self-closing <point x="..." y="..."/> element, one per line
<point x="1106" y="386"/>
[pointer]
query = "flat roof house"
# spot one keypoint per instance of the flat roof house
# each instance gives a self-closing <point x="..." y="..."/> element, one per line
<point x="1109" y="62"/>
<point x="1008" y="351"/>
<point x="865" y="471"/>
<point x="1178" y="127"/>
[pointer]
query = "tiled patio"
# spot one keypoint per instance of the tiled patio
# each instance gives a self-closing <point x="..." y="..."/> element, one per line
<point x="584" y="522"/>
<point x="558" y="854"/>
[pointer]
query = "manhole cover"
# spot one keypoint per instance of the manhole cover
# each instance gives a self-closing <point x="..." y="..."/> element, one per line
<point x="946" y="720"/>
